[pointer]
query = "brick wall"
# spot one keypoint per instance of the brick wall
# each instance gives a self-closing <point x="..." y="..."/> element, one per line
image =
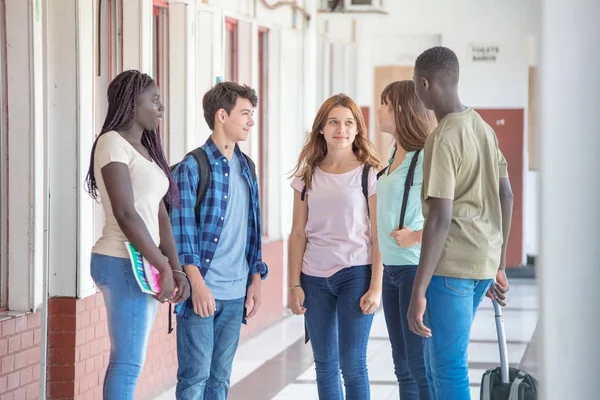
<point x="79" y="346"/>
<point x="19" y="357"/>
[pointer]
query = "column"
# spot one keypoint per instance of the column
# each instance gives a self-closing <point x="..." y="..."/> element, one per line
<point x="569" y="198"/>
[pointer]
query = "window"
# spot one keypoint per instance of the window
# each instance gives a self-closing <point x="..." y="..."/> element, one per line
<point x="231" y="50"/>
<point x="108" y="64"/>
<point x="263" y="125"/>
<point x="160" y="65"/>
<point x="3" y="166"/>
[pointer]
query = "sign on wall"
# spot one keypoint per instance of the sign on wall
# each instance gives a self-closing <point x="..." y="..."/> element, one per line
<point x="484" y="52"/>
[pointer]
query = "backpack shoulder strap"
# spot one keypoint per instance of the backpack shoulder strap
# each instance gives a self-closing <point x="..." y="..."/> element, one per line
<point x="365" y="185"/>
<point x="381" y="172"/>
<point x="303" y="193"/>
<point x="407" y="184"/>
<point x="251" y="165"/>
<point x="204" y="176"/>
<point x="365" y="181"/>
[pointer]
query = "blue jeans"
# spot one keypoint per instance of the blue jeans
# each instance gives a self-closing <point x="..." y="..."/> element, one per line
<point x="130" y="314"/>
<point x="407" y="348"/>
<point x="451" y="307"/>
<point x="205" y="350"/>
<point x="339" y="331"/>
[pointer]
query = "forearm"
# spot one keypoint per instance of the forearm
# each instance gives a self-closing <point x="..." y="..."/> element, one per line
<point x="506" y="205"/>
<point x="193" y="274"/>
<point x="434" y="237"/>
<point x="376" y="266"/>
<point x="296" y="248"/>
<point x="135" y="230"/>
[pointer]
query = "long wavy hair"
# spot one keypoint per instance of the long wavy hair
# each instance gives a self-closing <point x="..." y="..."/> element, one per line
<point x="315" y="146"/>
<point x="414" y="122"/>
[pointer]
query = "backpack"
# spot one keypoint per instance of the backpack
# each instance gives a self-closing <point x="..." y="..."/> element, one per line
<point x="521" y="385"/>
<point x="505" y="382"/>
<point x="364" y="184"/>
<point x="204" y="173"/>
<point x="408" y="182"/>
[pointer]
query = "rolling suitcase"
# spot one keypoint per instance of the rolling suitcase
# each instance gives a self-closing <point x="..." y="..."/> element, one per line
<point x="504" y="382"/>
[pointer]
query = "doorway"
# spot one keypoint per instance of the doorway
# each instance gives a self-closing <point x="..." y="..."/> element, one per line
<point x="385" y="75"/>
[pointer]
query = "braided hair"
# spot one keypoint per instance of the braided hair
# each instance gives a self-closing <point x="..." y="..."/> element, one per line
<point x="123" y="96"/>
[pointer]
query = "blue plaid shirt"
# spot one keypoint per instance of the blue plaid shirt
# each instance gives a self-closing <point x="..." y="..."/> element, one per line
<point x="197" y="237"/>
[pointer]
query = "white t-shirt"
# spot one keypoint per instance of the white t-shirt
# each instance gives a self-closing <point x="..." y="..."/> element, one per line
<point x="149" y="184"/>
<point x="338" y="230"/>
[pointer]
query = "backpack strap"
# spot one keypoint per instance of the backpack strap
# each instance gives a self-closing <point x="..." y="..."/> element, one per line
<point x="381" y="172"/>
<point x="252" y="167"/>
<point x="365" y="181"/>
<point x="365" y="185"/>
<point x="204" y="176"/>
<point x="407" y="184"/>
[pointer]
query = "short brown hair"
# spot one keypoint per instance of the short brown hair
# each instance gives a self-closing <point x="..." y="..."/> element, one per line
<point x="413" y="121"/>
<point x="224" y="95"/>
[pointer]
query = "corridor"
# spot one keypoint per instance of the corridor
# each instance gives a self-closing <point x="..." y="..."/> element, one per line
<point x="276" y="365"/>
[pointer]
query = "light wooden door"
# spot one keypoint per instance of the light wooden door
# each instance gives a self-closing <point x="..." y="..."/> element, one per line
<point x="384" y="75"/>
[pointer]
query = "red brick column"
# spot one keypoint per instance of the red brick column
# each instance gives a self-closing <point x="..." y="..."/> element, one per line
<point x="79" y="348"/>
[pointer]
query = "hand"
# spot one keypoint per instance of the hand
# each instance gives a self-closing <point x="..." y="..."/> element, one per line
<point x="415" y="313"/>
<point x="167" y="287"/>
<point x="296" y="300"/>
<point x="182" y="288"/>
<point x="369" y="302"/>
<point x="499" y="288"/>
<point x="253" y="297"/>
<point x="404" y="237"/>
<point x="203" y="300"/>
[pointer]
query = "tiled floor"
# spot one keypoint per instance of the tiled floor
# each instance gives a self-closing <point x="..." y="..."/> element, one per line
<point x="276" y="365"/>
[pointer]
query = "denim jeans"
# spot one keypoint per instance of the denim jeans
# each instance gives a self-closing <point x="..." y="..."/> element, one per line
<point x="205" y="350"/>
<point x="339" y="331"/>
<point x="130" y="314"/>
<point x="407" y="348"/>
<point x="451" y="307"/>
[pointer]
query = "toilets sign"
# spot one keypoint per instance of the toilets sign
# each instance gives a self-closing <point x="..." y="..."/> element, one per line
<point x="484" y="53"/>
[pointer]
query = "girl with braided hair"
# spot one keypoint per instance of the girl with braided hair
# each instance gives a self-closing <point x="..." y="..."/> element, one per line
<point x="129" y="174"/>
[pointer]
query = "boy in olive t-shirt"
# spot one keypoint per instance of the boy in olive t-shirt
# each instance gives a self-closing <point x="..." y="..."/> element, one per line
<point x="467" y="204"/>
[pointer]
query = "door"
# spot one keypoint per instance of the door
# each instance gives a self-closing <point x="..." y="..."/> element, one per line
<point x="384" y="76"/>
<point x="508" y="124"/>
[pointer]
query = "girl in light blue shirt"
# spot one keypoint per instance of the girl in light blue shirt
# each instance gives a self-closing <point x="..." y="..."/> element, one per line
<point x="404" y="117"/>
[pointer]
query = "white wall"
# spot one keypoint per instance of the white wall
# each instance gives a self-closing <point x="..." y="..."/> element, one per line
<point x="26" y="156"/>
<point x="411" y="27"/>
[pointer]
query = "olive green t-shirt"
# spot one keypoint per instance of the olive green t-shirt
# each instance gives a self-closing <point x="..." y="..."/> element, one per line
<point x="463" y="163"/>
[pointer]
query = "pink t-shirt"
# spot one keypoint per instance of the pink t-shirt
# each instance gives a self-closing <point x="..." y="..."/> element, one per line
<point x="338" y="230"/>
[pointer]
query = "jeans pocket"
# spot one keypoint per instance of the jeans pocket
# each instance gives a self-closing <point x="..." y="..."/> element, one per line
<point x="99" y="267"/>
<point x="463" y="287"/>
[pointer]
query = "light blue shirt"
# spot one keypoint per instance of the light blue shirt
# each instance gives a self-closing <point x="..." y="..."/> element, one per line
<point x="390" y="192"/>
<point x="227" y="277"/>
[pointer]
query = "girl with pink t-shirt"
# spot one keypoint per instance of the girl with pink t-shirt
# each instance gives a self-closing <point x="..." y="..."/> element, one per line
<point x="335" y="269"/>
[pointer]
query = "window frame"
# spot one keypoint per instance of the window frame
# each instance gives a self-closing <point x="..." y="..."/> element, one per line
<point x="263" y="125"/>
<point x="160" y="65"/>
<point x="3" y="164"/>
<point x="231" y="25"/>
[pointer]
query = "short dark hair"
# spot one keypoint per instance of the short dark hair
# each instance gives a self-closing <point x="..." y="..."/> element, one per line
<point x="224" y="95"/>
<point x="438" y="63"/>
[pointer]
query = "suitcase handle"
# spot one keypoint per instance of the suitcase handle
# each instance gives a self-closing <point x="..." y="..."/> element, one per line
<point x="501" y="342"/>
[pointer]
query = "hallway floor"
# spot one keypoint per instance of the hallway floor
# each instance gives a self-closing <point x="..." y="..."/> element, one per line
<point x="277" y="365"/>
